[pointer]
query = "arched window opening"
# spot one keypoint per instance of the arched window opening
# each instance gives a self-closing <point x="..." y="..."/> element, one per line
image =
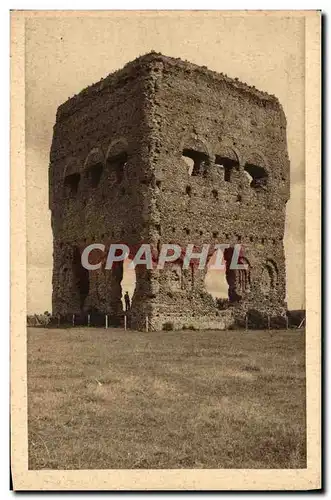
<point x="258" y="176"/>
<point x="94" y="173"/>
<point x="117" y="163"/>
<point x="227" y="165"/>
<point x="197" y="161"/>
<point x="71" y="183"/>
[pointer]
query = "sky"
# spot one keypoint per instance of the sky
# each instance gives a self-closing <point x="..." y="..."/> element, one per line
<point x="66" y="54"/>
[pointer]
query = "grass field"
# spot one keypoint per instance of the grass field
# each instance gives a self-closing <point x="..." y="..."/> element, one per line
<point x="102" y="399"/>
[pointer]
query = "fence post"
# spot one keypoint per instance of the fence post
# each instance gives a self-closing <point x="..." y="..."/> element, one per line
<point x="106" y="320"/>
<point x="146" y="323"/>
<point x="88" y="319"/>
<point x="73" y="320"/>
<point x="125" y="321"/>
<point x="301" y="323"/>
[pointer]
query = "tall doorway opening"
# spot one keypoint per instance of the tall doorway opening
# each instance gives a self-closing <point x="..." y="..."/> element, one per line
<point x="128" y="284"/>
<point x="216" y="283"/>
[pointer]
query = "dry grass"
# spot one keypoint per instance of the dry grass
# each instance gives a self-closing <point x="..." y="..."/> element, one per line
<point x="102" y="399"/>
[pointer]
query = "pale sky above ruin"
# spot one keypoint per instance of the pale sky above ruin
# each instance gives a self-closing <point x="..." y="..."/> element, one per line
<point x="64" y="55"/>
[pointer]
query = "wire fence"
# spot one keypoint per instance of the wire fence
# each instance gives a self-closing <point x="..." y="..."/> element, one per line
<point x="252" y="320"/>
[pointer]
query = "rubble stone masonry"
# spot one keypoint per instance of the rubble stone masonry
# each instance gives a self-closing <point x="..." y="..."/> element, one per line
<point x="165" y="151"/>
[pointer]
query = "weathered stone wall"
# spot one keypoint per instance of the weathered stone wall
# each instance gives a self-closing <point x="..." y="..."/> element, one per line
<point x="197" y="111"/>
<point x="92" y="131"/>
<point x="166" y="114"/>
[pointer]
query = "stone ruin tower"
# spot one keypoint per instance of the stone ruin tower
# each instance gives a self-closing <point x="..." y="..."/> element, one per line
<point x="165" y="151"/>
